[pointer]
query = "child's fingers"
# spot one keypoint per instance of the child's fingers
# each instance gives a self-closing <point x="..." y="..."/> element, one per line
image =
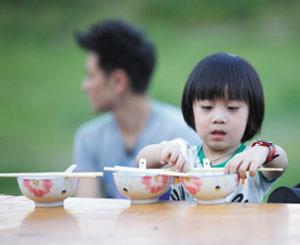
<point x="234" y="165"/>
<point x="253" y="168"/>
<point x="231" y="166"/>
<point x="180" y="164"/>
<point x="186" y="167"/>
<point x="169" y="154"/>
<point x="173" y="157"/>
<point x="165" y="155"/>
<point x="178" y="167"/>
<point x="243" y="168"/>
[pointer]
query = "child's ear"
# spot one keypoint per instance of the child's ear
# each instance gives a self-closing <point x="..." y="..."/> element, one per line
<point x="119" y="81"/>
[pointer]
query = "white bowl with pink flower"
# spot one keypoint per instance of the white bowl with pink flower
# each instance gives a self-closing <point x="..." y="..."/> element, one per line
<point x="140" y="187"/>
<point x="210" y="187"/>
<point x="47" y="191"/>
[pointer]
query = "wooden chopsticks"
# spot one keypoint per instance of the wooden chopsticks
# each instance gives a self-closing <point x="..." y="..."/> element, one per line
<point x="171" y="172"/>
<point x="145" y="171"/>
<point x="222" y="169"/>
<point x="55" y="174"/>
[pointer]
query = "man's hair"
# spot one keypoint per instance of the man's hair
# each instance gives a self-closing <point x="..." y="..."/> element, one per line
<point x="121" y="45"/>
<point x="225" y="76"/>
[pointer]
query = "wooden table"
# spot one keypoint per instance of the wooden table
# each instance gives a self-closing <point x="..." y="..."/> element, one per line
<point x="115" y="221"/>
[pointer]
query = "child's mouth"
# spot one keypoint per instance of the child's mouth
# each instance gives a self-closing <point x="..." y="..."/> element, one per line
<point x="218" y="134"/>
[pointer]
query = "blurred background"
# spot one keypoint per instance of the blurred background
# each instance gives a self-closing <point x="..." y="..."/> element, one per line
<point x="41" y="68"/>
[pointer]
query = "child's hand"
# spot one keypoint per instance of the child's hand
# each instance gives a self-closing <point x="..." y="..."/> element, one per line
<point x="172" y="155"/>
<point x="248" y="160"/>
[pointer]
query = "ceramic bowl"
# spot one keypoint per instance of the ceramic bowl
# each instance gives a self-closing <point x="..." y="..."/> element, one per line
<point x="211" y="187"/>
<point x="47" y="191"/>
<point x="141" y="188"/>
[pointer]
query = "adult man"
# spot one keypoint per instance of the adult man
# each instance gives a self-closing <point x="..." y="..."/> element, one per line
<point x="119" y="66"/>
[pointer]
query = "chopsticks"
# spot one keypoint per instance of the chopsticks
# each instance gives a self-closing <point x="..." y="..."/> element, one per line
<point x="146" y="171"/>
<point x="170" y="171"/>
<point x="222" y="169"/>
<point x="54" y="174"/>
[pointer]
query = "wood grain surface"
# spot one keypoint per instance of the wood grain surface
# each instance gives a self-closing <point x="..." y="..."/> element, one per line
<point x="116" y="221"/>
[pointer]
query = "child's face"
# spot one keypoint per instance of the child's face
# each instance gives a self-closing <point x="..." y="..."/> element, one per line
<point x="220" y="123"/>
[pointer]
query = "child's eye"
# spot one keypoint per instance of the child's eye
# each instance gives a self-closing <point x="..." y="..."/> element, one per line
<point x="233" y="108"/>
<point x="206" y="107"/>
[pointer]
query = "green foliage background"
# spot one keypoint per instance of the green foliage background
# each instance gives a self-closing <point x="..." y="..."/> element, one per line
<point x="41" y="68"/>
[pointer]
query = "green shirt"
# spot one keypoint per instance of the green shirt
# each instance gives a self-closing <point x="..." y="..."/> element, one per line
<point x="221" y="165"/>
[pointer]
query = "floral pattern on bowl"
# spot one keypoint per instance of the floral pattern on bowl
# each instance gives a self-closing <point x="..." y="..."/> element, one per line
<point x="38" y="187"/>
<point x="212" y="187"/>
<point x="141" y="188"/>
<point x="155" y="183"/>
<point x="192" y="185"/>
<point x="48" y="191"/>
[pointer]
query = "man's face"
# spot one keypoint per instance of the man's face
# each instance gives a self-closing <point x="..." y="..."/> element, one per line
<point x="97" y="85"/>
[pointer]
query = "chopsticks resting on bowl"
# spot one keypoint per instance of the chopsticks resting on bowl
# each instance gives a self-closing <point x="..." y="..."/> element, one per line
<point x="222" y="169"/>
<point x="146" y="171"/>
<point x="171" y="172"/>
<point x="55" y="174"/>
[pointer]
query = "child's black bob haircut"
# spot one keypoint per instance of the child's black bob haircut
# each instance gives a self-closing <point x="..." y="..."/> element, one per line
<point x="225" y="76"/>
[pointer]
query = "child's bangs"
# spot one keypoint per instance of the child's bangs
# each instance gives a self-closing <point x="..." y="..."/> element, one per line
<point x="224" y="87"/>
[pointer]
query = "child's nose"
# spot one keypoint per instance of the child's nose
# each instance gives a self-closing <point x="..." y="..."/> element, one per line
<point x="219" y="117"/>
<point x="219" y="120"/>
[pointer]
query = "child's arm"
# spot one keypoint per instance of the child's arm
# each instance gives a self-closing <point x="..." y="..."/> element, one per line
<point x="159" y="154"/>
<point x="254" y="157"/>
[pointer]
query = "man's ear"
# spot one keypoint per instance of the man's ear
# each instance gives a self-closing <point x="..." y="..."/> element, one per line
<point x="119" y="81"/>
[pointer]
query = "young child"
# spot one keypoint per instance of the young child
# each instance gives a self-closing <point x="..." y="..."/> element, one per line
<point x="223" y="102"/>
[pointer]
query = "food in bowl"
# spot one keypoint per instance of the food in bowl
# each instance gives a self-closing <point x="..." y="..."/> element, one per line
<point x="140" y="187"/>
<point x="47" y="191"/>
<point x="210" y="187"/>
